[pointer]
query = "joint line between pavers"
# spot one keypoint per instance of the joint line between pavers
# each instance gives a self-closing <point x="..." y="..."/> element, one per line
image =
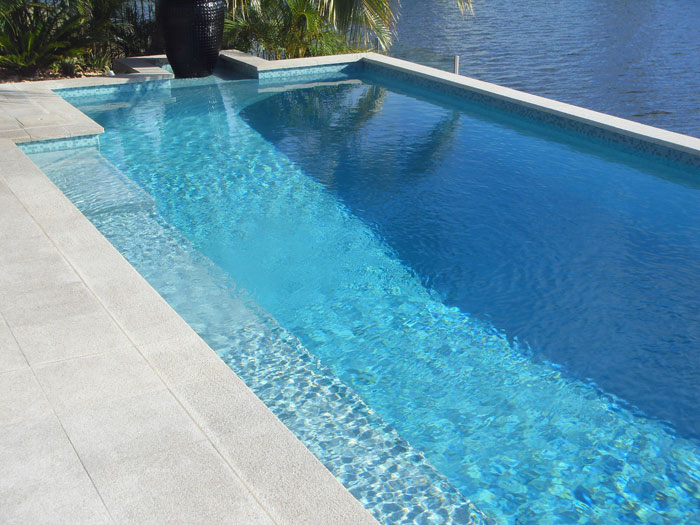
<point x="53" y="410"/>
<point x="12" y="333"/>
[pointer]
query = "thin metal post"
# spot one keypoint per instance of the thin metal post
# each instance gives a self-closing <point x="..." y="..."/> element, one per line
<point x="456" y="64"/>
<point x="376" y="44"/>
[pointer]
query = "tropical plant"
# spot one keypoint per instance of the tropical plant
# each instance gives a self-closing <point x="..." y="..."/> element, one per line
<point x="357" y="21"/>
<point x="283" y="29"/>
<point x="135" y="31"/>
<point x="70" y="36"/>
<point x="33" y="35"/>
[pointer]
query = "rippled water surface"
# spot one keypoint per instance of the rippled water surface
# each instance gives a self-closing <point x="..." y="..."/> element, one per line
<point x="590" y="259"/>
<point x="634" y="59"/>
<point x="519" y="303"/>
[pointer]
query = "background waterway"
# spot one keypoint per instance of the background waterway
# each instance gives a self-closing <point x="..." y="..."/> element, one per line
<point x="637" y="59"/>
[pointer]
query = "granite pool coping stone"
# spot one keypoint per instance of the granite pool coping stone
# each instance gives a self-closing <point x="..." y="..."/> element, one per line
<point x="110" y="404"/>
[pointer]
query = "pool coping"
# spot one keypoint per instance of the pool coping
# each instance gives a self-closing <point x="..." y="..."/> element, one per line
<point x="231" y="440"/>
<point x="642" y="137"/>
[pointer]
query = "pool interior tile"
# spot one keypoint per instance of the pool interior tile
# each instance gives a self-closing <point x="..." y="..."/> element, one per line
<point x="81" y="135"/>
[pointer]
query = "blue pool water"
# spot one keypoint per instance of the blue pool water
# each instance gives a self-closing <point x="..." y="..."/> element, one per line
<point x="518" y="303"/>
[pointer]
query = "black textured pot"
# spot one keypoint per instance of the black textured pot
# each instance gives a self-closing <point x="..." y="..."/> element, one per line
<point x="192" y="30"/>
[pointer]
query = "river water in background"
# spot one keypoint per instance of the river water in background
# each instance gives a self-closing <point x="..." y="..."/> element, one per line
<point x="637" y="59"/>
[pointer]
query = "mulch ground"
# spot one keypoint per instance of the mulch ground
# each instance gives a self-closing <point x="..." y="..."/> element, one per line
<point x="11" y="76"/>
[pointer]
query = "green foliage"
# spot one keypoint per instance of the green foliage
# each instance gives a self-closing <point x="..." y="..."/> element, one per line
<point x="351" y="22"/>
<point x="283" y="29"/>
<point x="35" y="35"/>
<point x="71" y="36"/>
<point x="96" y="59"/>
<point x="360" y="19"/>
<point x="355" y="21"/>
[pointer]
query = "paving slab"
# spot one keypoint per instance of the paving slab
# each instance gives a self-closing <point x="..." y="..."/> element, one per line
<point x="95" y="380"/>
<point x="11" y="357"/>
<point x="185" y="484"/>
<point x="130" y="427"/>
<point x="69" y="337"/>
<point x="43" y="480"/>
<point x="22" y="397"/>
<point x="46" y="277"/>
<point x="112" y="409"/>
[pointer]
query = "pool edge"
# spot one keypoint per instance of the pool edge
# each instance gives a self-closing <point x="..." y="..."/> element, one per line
<point x="642" y="137"/>
<point x="282" y="476"/>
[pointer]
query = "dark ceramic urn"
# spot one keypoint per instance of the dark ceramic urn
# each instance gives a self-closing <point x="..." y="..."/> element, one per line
<point x="192" y="30"/>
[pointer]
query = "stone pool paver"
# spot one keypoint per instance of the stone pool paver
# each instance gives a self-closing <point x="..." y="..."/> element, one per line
<point x="112" y="409"/>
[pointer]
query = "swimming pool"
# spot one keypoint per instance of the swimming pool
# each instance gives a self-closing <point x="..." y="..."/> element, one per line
<point x="468" y="274"/>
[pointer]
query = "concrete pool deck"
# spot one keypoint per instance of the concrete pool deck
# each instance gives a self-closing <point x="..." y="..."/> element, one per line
<point x="112" y="409"/>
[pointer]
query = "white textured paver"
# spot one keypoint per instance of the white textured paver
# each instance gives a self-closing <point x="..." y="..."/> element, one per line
<point x="32" y="111"/>
<point x="129" y="427"/>
<point x="95" y="380"/>
<point x="187" y="484"/>
<point x="43" y="480"/>
<point x="11" y="358"/>
<point x="112" y="409"/>
<point x="22" y="397"/>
